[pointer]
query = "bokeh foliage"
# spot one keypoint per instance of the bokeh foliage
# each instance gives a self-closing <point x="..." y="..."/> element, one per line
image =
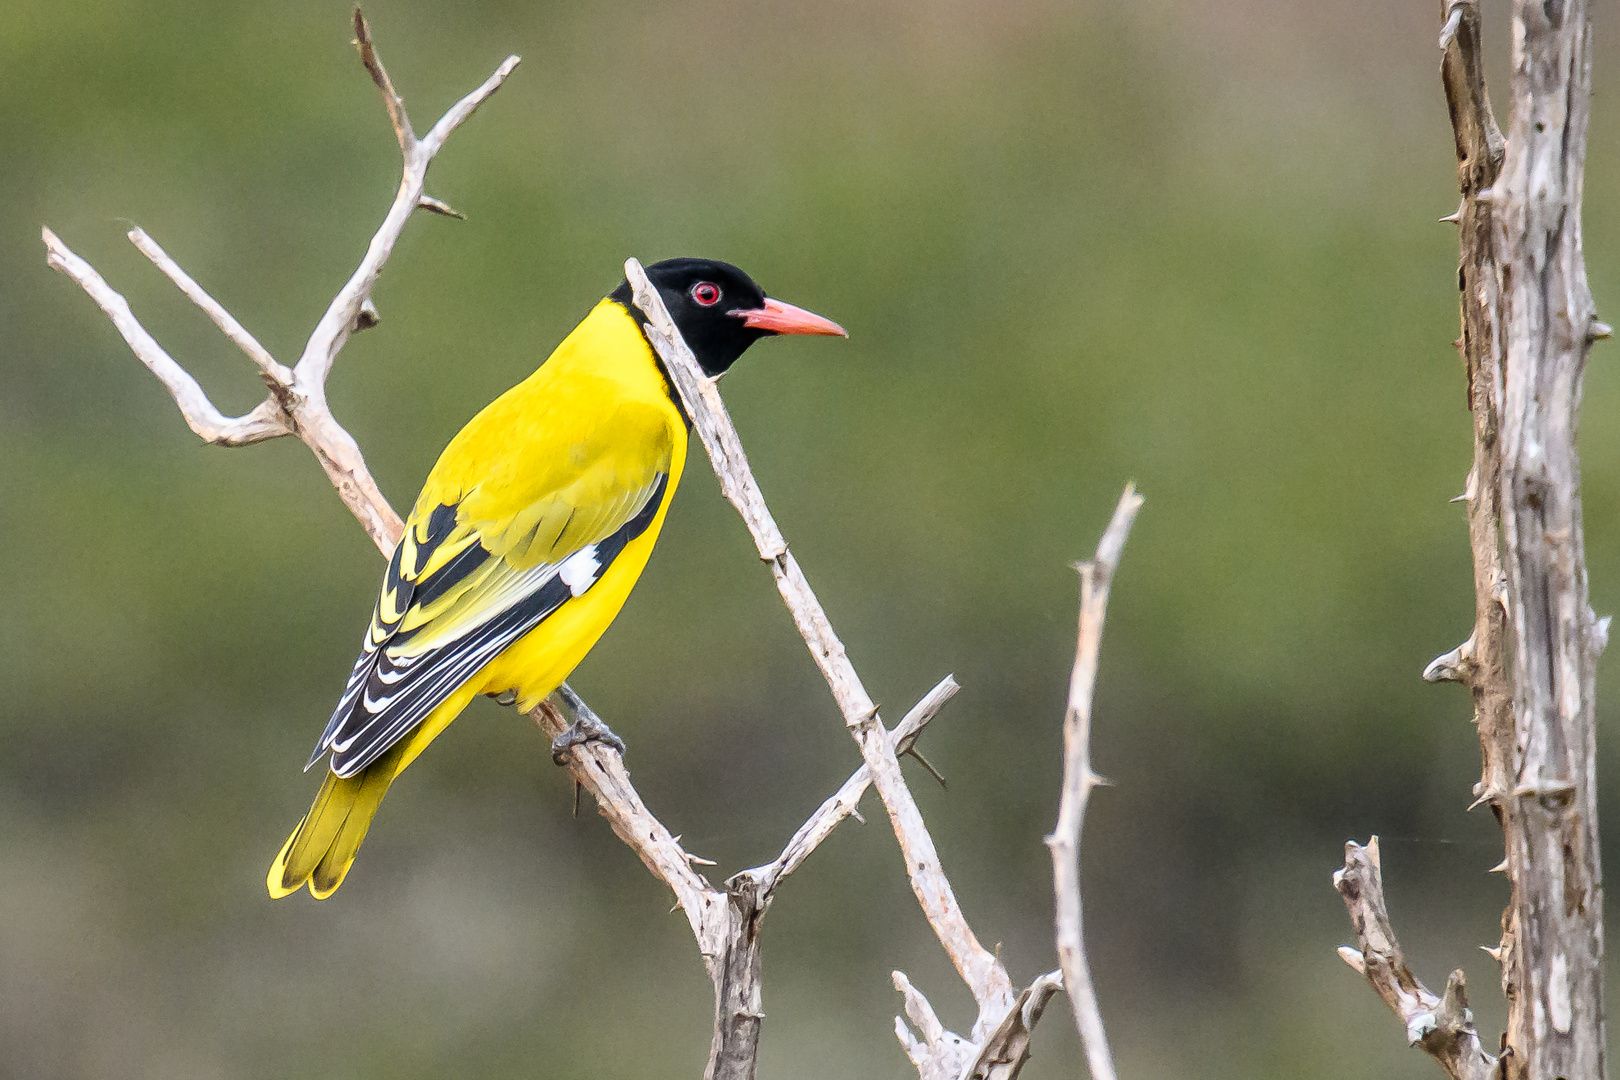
<point x="1189" y="243"/>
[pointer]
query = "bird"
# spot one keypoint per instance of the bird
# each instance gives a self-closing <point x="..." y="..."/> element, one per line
<point x="523" y="545"/>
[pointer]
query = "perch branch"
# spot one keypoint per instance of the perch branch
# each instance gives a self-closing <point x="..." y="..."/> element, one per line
<point x="1078" y="780"/>
<point x="1442" y="1026"/>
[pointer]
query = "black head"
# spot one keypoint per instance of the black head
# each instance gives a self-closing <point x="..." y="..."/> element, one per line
<point x="720" y="311"/>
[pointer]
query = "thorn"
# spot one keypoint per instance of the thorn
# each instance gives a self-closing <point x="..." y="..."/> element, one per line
<point x="856" y="814"/>
<point x="1354" y="958"/>
<point x="1483" y="797"/>
<point x="676" y="839"/>
<point x="1459" y="498"/>
<point x="1499" y="868"/>
<point x="425" y="201"/>
<point x="1454" y="666"/>
<point x="1448" y="33"/>
<point x="911" y="751"/>
<point x="1599" y="331"/>
<point x="1455" y="217"/>
<point x="674" y="909"/>
<point x="367" y="316"/>
<point x="1420" y="1027"/>
<point x="1547" y="789"/>
<point x="1494" y="953"/>
<point x="699" y="860"/>
<point x="1485" y="195"/>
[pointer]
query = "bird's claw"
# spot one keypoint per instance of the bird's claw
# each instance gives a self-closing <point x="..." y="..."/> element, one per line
<point x="586" y="729"/>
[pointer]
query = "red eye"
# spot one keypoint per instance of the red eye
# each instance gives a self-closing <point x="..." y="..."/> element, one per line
<point x="706" y="293"/>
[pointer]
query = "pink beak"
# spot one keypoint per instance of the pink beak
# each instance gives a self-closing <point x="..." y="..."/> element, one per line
<point x="783" y="318"/>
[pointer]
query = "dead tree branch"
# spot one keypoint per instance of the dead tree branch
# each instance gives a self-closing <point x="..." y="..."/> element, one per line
<point x="983" y="973"/>
<point x="1442" y="1026"/>
<point x="1078" y="780"/>
<point x="1530" y="662"/>
<point x="296" y="404"/>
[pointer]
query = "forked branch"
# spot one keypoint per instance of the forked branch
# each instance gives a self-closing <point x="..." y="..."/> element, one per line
<point x="1442" y="1026"/>
<point x="980" y="969"/>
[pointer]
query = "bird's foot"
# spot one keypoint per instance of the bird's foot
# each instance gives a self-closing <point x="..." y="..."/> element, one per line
<point x="585" y="729"/>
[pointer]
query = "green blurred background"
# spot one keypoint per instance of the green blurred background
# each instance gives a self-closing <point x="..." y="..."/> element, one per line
<point x="1187" y="243"/>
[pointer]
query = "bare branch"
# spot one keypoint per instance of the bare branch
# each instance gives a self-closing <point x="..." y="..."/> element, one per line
<point x="725" y="923"/>
<point x="275" y="374"/>
<point x="1078" y="780"/>
<point x="338" y="322"/>
<point x="1444" y="1027"/>
<point x="1000" y="1054"/>
<point x="843" y="803"/>
<point x="1530" y="661"/>
<point x="979" y="968"/>
<point x="200" y="414"/>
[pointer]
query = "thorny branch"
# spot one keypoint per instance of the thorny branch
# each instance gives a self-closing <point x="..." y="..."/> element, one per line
<point x="1078" y="780"/>
<point x="1527" y="323"/>
<point x="999" y="1041"/>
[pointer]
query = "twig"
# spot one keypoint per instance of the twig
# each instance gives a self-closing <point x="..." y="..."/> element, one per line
<point x="1444" y="1027"/>
<point x="266" y="421"/>
<point x="1078" y="780"/>
<point x="275" y="374"/>
<point x="843" y="803"/>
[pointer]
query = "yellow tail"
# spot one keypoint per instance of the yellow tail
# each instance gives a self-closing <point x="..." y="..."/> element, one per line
<point x="320" y="851"/>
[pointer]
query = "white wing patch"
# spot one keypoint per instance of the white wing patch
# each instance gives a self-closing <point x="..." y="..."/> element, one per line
<point x="580" y="570"/>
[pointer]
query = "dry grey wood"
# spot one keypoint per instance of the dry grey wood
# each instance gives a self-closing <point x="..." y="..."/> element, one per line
<point x="1443" y="1026"/>
<point x="1530" y="662"/>
<point x="980" y="969"/>
<point x="1079" y="779"/>
<point x="1556" y="1025"/>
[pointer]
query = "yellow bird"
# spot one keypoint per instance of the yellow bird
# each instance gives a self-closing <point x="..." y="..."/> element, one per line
<point x="523" y="545"/>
